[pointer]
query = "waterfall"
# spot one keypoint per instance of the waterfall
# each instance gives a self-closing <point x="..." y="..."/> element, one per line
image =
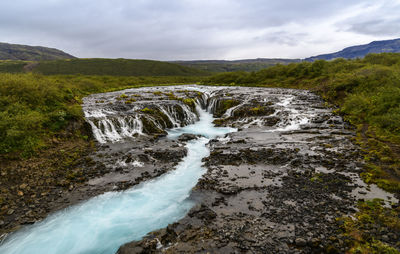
<point x="115" y="126"/>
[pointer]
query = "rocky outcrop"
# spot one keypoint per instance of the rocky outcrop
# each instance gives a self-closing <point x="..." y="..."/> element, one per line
<point x="275" y="186"/>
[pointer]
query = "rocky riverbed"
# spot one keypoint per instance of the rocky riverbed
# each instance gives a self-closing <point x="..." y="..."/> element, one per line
<point x="276" y="185"/>
<point x="127" y="152"/>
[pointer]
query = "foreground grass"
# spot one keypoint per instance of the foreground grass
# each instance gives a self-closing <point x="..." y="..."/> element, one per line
<point x="34" y="108"/>
<point x="366" y="93"/>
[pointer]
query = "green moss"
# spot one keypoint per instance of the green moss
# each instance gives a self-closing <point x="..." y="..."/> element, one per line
<point x="219" y="122"/>
<point x="364" y="230"/>
<point x="190" y="102"/>
<point x="147" y="110"/>
<point x="224" y="105"/>
<point x="150" y="128"/>
<point x="129" y="101"/>
<point x="160" y="117"/>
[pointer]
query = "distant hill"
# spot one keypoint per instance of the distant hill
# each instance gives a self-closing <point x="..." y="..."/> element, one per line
<point x="30" y="53"/>
<point x="390" y="46"/>
<point x="115" y="67"/>
<point x="235" y="65"/>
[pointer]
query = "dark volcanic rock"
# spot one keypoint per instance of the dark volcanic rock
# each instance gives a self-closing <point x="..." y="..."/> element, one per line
<point x="187" y="136"/>
<point x="275" y="186"/>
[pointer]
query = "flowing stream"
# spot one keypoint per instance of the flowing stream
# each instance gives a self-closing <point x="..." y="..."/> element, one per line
<point x="103" y="223"/>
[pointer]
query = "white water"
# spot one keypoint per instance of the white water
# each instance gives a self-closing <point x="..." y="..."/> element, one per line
<point x="110" y="126"/>
<point x="295" y="118"/>
<point x="104" y="223"/>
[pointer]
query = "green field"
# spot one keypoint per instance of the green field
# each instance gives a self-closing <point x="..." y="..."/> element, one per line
<point x="12" y="66"/>
<point x="100" y="66"/>
<point x="115" y="67"/>
<point x="248" y="65"/>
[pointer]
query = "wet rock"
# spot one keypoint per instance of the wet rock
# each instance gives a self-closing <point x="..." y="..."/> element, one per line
<point x="300" y="242"/>
<point x="187" y="136"/>
<point x="202" y="212"/>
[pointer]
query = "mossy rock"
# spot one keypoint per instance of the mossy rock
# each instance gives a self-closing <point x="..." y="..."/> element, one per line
<point x="159" y="116"/>
<point x="150" y="128"/>
<point x="257" y="110"/>
<point x="223" y="105"/>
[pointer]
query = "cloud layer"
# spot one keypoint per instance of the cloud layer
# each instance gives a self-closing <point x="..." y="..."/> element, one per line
<point x="194" y="29"/>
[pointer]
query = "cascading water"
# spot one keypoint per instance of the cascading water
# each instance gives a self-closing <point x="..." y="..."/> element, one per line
<point x="104" y="223"/>
<point x="119" y="116"/>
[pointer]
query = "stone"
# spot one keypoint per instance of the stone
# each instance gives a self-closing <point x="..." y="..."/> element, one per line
<point x="300" y="242"/>
<point x="187" y="136"/>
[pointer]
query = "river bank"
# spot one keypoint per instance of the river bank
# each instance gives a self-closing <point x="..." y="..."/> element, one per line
<point x="291" y="169"/>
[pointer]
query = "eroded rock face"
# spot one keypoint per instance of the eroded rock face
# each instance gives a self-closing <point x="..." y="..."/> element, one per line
<point x="275" y="186"/>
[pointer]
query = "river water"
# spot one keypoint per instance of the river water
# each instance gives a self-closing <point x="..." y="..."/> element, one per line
<point x="103" y="223"/>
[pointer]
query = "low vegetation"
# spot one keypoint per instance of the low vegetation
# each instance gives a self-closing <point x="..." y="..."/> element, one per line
<point x="235" y="65"/>
<point x="100" y="66"/>
<point x="115" y="67"/>
<point x="12" y="66"/>
<point x="372" y="227"/>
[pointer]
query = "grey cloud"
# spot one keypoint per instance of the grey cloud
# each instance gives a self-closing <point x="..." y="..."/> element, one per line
<point x="378" y="27"/>
<point x="381" y="21"/>
<point x="173" y="29"/>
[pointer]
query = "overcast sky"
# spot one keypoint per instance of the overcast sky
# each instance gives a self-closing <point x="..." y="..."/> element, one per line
<point x="198" y="29"/>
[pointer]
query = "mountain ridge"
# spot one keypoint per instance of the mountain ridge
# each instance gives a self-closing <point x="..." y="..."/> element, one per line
<point x="10" y="51"/>
<point x="359" y="51"/>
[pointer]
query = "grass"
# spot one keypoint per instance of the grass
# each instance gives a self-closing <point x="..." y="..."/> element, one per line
<point x="371" y="226"/>
<point x="12" y="66"/>
<point x="115" y="67"/>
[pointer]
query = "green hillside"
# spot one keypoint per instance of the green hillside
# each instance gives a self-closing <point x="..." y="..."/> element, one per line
<point x="12" y="66"/>
<point x="115" y="67"/>
<point x="235" y="65"/>
<point x="30" y="53"/>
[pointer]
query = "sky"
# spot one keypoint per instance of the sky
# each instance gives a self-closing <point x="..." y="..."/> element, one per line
<point x="198" y="29"/>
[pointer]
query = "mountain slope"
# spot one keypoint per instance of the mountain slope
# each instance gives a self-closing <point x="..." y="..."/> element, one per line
<point x="30" y="53"/>
<point x="391" y="46"/>
<point x="115" y="67"/>
<point x="235" y="65"/>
